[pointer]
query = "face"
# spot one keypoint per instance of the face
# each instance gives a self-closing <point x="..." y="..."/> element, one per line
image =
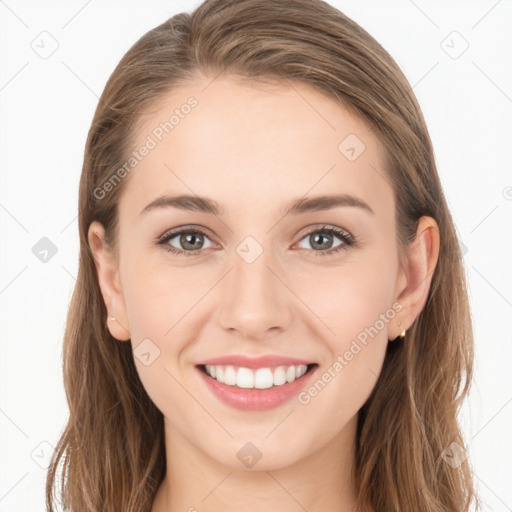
<point x="316" y="284"/>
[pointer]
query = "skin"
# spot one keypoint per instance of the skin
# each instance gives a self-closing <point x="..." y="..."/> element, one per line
<point x="253" y="149"/>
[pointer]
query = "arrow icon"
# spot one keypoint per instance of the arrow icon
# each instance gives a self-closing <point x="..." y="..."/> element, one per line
<point x="351" y="147"/>
<point x="249" y="455"/>
<point x="146" y="352"/>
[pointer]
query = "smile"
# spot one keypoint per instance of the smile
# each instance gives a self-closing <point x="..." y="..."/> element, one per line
<point x="261" y="378"/>
<point x="255" y="389"/>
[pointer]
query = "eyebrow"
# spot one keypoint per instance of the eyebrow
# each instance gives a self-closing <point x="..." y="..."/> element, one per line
<point x="296" y="207"/>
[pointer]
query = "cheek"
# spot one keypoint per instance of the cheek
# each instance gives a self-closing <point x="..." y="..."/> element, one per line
<point x="352" y="308"/>
<point x="161" y="302"/>
<point x="157" y="331"/>
<point x="157" y="294"/>
<point x="350" y="297"/>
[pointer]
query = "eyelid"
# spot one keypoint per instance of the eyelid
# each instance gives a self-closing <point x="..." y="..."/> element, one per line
<point x="313" y="228"/>
<point x="186" y="227"/>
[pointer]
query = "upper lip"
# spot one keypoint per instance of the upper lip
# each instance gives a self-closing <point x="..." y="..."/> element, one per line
<point x="267" y="361"/>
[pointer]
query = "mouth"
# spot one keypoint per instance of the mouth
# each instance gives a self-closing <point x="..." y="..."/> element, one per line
<point x="255" y="389"/>
<point x="256" y="378"/>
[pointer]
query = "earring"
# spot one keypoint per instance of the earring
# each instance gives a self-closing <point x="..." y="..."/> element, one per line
<point x="401" y="335"/>
<point x="110" y="317"/>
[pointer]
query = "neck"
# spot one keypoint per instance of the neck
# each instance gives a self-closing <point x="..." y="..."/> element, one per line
<point x="319" y="482"/>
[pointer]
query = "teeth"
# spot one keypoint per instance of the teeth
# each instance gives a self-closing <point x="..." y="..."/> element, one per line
<point x="230" y="376"/>
<point x="262" y="378"/>
<point x="244" y="378"/>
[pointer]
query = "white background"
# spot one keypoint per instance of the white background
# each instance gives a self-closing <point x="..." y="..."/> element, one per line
<point x="46" y="110"/>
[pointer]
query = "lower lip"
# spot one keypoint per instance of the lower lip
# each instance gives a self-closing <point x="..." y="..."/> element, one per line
<point x="256" y="399"/>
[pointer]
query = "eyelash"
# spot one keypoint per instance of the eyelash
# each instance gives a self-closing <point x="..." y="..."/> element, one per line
<point x="347" y="239"/>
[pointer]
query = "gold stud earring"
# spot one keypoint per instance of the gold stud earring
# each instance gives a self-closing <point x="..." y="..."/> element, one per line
<point x="402" y="334"/>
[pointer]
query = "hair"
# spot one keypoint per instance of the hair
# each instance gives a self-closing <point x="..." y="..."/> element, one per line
<point x="112" y="448"/>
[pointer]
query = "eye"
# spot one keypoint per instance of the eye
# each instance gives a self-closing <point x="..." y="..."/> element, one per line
<point x="323" y="236"/>
<point x="191" y="241"/>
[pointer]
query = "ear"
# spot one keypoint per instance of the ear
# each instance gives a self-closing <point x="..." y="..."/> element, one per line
<point x="109" y="282"/>
<point x="422" y="256"/>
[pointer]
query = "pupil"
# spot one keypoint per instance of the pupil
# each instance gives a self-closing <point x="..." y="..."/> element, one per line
<point x="186" y="238"/>
<point x="315" y="238"/>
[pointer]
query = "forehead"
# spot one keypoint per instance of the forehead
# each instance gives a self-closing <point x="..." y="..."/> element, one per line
<point x="269" y="142"/>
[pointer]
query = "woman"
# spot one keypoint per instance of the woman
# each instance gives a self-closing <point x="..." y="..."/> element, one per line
<point x="271" y="309"/>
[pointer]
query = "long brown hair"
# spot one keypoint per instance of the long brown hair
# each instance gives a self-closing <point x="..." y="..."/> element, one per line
<point x="112" y="447"/>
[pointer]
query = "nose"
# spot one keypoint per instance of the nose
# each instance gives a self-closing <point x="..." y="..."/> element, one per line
<point x="255" y="301"/>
